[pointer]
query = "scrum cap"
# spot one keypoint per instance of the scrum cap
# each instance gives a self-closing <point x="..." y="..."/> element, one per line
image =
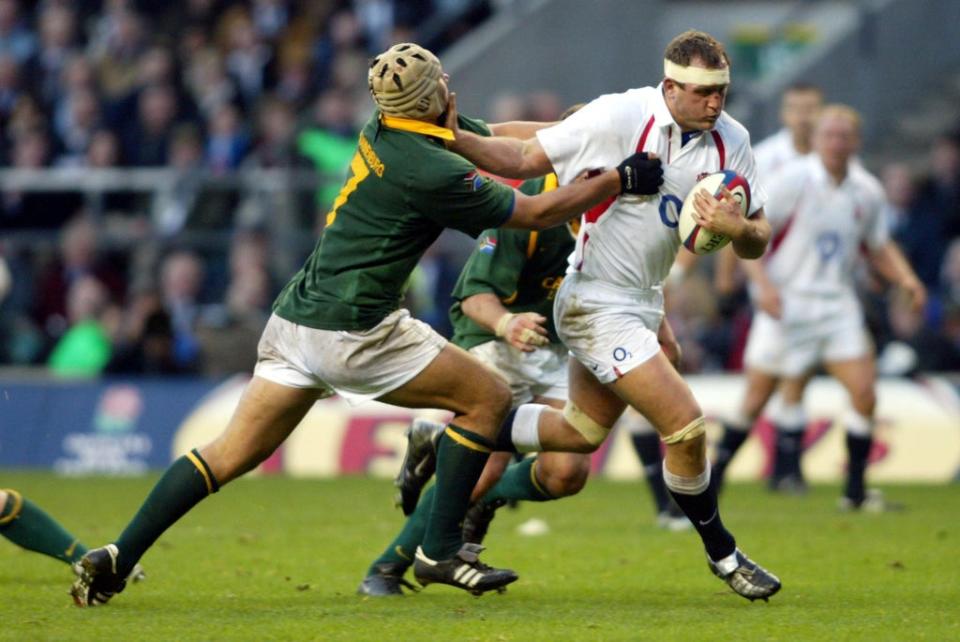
<point x="405" y="81"/>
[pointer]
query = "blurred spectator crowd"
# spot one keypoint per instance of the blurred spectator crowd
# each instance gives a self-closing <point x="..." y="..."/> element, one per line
<point x="180" y="280"/>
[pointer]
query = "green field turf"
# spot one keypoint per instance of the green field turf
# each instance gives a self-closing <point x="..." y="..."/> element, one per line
<point x="280" y="559"/>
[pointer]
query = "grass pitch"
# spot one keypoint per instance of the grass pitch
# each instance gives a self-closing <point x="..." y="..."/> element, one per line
<point x="280" y="559"/>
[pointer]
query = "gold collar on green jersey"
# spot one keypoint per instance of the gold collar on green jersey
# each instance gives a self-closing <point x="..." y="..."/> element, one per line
<point x="416" y="126"/>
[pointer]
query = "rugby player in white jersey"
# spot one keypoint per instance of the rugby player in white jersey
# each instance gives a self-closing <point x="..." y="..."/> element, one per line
<point x="826" y="210"/>
<point x="611" y="303"/>
<point x="799" y="108"/>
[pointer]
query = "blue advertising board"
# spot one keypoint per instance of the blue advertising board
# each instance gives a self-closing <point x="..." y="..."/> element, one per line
<point x="112" y="426"/>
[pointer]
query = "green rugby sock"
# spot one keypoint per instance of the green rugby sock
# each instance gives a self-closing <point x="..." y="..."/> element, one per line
<point x="26" y="525"/>
<point x="461" y="456"/>
<point x="187" y="481"/>
<point x="519" y="482"/>
<point x="402" y="549"/>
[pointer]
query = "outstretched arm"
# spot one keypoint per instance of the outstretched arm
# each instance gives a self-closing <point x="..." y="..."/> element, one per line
<point x="768" y="296"/>
<point x="552" y="208"/>
<point x="522" y="129"/>
<point x="504" y="154"/>
<point x="892" y="265"/>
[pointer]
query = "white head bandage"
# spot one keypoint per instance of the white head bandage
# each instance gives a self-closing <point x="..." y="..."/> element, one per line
<point x="696" y="75"/>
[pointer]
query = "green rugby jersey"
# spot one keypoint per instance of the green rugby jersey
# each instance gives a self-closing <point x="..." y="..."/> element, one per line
<point x="523" y="268"/>
<point x="404" y="189"/>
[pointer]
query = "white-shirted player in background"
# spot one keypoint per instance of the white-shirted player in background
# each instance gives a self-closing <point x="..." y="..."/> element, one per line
<point x="611" y="303"/>
<point x="799" y="108"/>
<point x="826" y="210"/>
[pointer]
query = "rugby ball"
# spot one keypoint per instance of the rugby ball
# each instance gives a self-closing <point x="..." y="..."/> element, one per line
<point x="700" y="240"/>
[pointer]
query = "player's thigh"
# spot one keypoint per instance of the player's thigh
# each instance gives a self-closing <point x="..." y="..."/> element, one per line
<point x="760" y="387"/>
<point x="596" y="400"/>
<point x="456" y="381"/>
<point x="267" y="413"/>
<point x="657" y="391"/>
<point x="792" y="388"/>
<point x="858" y="376"/>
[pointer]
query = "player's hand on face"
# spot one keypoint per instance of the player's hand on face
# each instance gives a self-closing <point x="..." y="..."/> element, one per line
<point x="451" y="122"/>
<point x="526" y="331"/>
<point x="640" y="174"/>
<point x="769" y="301"/>
<point x="718" y="215"/>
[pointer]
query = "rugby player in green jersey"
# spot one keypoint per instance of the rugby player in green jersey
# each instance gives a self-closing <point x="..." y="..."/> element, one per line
<point x="503" y="314"/>
<point x="337" y="326"/>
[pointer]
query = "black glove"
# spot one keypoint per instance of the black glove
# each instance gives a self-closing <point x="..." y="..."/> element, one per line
<point x="640" y="174"/>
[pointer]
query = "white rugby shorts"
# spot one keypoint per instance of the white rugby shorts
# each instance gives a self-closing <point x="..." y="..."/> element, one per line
<point x="358" y="366"/>
<point x="609" y="329"/>
<point x="806" y="336"/>
<point x="541" y="373"/>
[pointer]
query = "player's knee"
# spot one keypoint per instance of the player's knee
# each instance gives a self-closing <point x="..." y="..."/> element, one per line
<point x="491" y="401"/>
<point x="691" y="431"/>
<point x="688" y="442"/>
<point x="566" y="476"/>
<point x="592" y="433"/>
<point x="864" y="399"/>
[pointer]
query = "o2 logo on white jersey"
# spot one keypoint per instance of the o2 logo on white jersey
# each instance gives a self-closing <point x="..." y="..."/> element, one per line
<point x="670" y="216"/>
<point x="621" y="354"/>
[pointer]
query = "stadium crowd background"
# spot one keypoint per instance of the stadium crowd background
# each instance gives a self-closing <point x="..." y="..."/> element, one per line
<point x="132" y="282"/>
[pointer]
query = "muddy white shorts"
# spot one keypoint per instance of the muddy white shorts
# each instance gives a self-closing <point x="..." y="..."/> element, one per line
<point x="356" y="365"/>
<point x="609" y="329"/>
<point x="541" y="373"/>
<point x="810" y="333"/>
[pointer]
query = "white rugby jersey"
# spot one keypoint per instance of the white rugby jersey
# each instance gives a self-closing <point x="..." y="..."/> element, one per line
<point x="631" y="241"/>
<point x="773" y="152"/>
<point x="820" y="228"/>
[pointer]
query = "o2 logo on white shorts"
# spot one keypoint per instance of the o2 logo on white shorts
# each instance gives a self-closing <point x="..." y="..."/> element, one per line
<point x="621" y="354"/>
<point x="670" y="216"/>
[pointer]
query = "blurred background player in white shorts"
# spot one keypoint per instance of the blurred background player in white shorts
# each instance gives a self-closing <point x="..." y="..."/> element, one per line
<point x="826" y="210"/>
<point x="799" y="107"/>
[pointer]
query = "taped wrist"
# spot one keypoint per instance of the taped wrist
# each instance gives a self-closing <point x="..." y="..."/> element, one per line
<point x="501" y="328"/>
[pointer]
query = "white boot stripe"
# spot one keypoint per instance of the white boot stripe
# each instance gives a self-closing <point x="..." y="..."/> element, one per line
<point x="475" y="579"/>
<point x="460" y="572"/>
<point x="468" y="576"/>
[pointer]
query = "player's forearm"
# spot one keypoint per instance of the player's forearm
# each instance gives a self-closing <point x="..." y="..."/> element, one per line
<point x="522" y="129"/>
<point x="757" y="274"/>
<point x="550" y="209"/>
<point x="500" y="155"/>
<point x="893" y="266"/>
<point x="484" y="309"/>
<point x="752" y="242"/>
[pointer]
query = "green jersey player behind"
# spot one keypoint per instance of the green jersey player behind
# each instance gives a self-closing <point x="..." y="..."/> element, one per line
<point x="338" y="327"/>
